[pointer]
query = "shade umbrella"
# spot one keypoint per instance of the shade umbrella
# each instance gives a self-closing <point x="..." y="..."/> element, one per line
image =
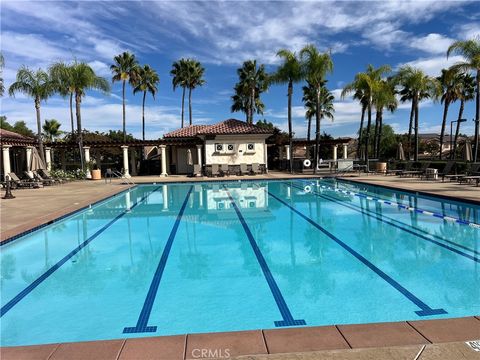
<point x="400" y="152"/>
<point x="36" y="162"/>
<point x="189" y="157"/>
<point x="468" y="151"/>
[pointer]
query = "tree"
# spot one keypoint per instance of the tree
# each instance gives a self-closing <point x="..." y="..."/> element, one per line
<point x="316" y="66"/>
<point x="289" y="72"/>
<point x="146" y="82"/>
<point x="195" y="72"/>
<point x="449" y="82"/>
<point x="252" y="82"/>
<point x="470" y="50"/>
<point x="61" y="75"/>
<point x="36" y="84"/>
<point x="417" y="86"/>
<point x="179" y="78"/>
<point x="241" y="101"/>
<point x="83" y="79"/>
<point x="124" y="69"/>
<point x="2" y="64"/>
<point x="20" y="127"/>
<point x="309" y="99"/>
<point x="51" y="129"/>
<point x="384" y="98"/>
<point x="465" y="92"/>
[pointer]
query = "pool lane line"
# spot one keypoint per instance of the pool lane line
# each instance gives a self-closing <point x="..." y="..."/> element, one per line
<point x="288" y="319"/>
<point x="425" y="309"/>
<point x="456" y="251"/>
<point x="404" y="207"/>
<point x="142" y="322"/>
<point x="9" y="305"/>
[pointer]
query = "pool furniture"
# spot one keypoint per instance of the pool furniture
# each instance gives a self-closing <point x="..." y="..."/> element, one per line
<point x="215" y="171"/>
<point x="43" y="180"/>
<point x="16" y="182"/>
<point x="474" y="168"/>
<point x="256" y="169"/>
<point x="447" y="169"/>
<point x="243" y="169"/>
<point x="46" y="175"/>
<point x="398" y="172"/>
<point x="32" y="176"/>
<point x="416" y="172"/>
<point x="224" y="170"/>
<point x="197" y="170"/>
<point x="471" y="174"/>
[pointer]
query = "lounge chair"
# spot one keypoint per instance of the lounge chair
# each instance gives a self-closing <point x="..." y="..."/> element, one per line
<point x="44" y="181"/>
<point x="197" y="170"/>
<point x="215" y="171"/>
<point x="473" y="169"/>
<point x="447" y="169"/>
<point x="256" y="169"/>
<point x="243" y="169"/>
<point x="418" y="172"/>
<point x="407" y="167"/>
<point x="46" y="175"/>
<point x="224" y="170"/>
<point x="471" y="174"/>
<point x="17" y="183"/>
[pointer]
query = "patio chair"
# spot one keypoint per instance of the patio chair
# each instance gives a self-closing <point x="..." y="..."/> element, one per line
<point x="473" y="169"/>
<point x="256" y="169"/>
<point x="472" y="174"/>
<point x="17" y="183"/>
<point x="447" y="169"/>
<point x="197" y="170"/>
<point x="419" y="172"/>
<point x="243" y="169"/>
<point x="215" y="171"/>
<point x="46" y="175"/>
<point x="224" y="170"/>
<point x="43" y="180"/>
<point x="398" y="172"/>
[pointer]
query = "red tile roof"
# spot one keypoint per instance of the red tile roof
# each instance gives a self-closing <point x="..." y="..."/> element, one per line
<point x="227" y="127"/>
<point x="12" y="138"/>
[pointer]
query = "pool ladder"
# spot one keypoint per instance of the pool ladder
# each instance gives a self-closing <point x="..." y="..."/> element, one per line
<point x="109" y="174"/>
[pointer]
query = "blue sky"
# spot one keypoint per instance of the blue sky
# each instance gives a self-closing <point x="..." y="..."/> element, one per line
<point x="222" y="35"/>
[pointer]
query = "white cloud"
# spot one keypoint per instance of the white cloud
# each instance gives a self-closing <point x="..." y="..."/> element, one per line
<point x="433" y="65"/>
<point x="432" y="43"/>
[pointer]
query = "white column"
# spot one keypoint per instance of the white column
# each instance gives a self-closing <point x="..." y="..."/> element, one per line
<point x="287" y="149"/>
<point x="335" y="156"/>
<point x="199" y="155"/>
<point x="6" y="160"/>
<point x="126" y="170"/>
<point x="165" y="197"/>
<point x="86" y="150"/>
<point x="128" y="201"/>
<point x="48" y="158"/>
<point x="29" y="150"/>
<point x="163" y="150"/>
<point x="265" y="157"/>
<point x="345" y="151"/>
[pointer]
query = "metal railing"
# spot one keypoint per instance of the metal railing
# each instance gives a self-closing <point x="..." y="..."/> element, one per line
<point x="110" y="174"/>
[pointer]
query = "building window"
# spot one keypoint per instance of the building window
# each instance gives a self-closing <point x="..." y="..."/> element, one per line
<point x="251" y="147"/>
<point x="218" y="147"/>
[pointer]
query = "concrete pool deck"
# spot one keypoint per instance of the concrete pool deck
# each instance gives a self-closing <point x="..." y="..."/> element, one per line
<point x="444" y="339"/>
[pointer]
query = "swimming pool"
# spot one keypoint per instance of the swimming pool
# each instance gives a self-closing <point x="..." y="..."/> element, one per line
<point x="167" y="259"/>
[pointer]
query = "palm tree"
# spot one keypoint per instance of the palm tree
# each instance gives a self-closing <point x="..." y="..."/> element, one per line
<point x="51" y="129"/>
<point x="316" y="66"/>
<point x="125" y="69"/>
<point x="465" y="92"/>
<point x="195" y="72"/>
<point x="470" y="50"/>
<point x="252" y="82"/>
<point x="417" y="86"/>
<point x="83" y="79"/>
<point x="36" y="84"/>
<point x="365" y="86"/>
<point x="309" y="98"/>
<point x="61" y="76"/>
<point x="384" y="98"/>
<point x="179" y="74"/>
<point x="449" y="81"/>
<point x="289" y="72"/>
<point x="359" y="94"/>
<point x="146" y="82"/>
<point x="241" y="101"/>
<point x="2" y="64"/>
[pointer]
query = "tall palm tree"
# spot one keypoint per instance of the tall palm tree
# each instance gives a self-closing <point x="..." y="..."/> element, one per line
<point x="61" y="76"/>
<point x="179" y="78"/>
<point x="316" y="66"/>
<point x="289" y="72"/>
<point x="38" y="85"/>
<point x="360" y="95"/>
<point x="2" y="64"/>
<point x="241" y="101"/>
<point x="83" y="79"/>
<point x="309" y="99"/>
<point x="465" y="92"/>
<point x="51" y="129"/>
<point x="124" y="69"/>
<point x="252" y="82"/>
<point x="195" y="72"/>
<point x="365" y="86"/>
<point x="449" y="82"/>
<point x="146" y="82"/>
<point x="417" y="85"/>
<point x="470" y="50"/>
<point x="384" y="98"/>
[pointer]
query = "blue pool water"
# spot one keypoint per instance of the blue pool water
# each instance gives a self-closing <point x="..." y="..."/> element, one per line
<point x="205" y="257"/>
